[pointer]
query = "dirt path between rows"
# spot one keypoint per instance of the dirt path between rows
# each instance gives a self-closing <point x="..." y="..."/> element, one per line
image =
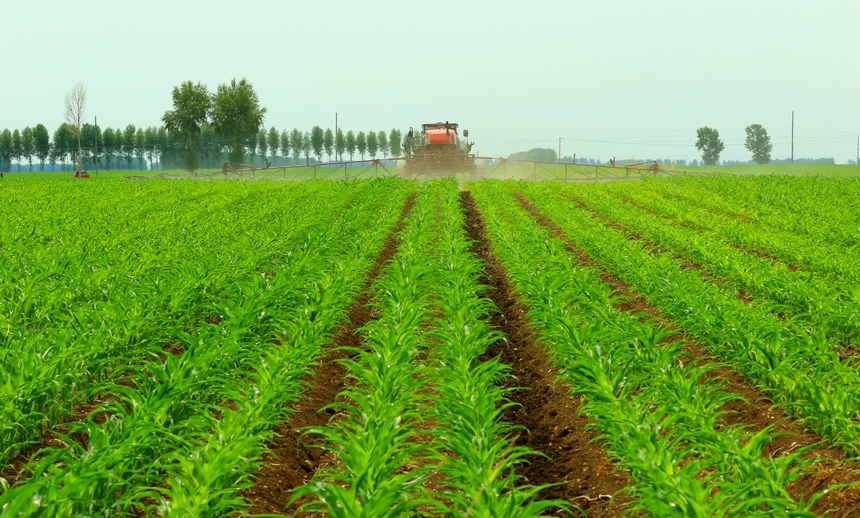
<point x="756" y="412"/>
<point x="555" y="428"/>
<point x="292" y="460"/>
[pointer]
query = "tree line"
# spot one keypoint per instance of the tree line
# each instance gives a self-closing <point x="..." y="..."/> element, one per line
<point x="757" y="142"/>
<point x="203" y="129"/>
<point x="232" y="116"/>
<point x="135" y="147"/>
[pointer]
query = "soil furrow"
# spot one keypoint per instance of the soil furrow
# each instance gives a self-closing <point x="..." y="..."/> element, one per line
<point x="551" y="417"/>
<point x="755" y="412"/>
<point x="292" y="460"/>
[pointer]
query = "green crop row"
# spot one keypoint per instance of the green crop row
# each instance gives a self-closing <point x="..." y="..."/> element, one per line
<point x="198" y="419"/>
<point x="420" y="375"/>
<point x="797" y="368"/>
<point x="474" y="447"/>
<point x="76" y="337"/>
<point x="381" y="407"/>
<point x="830" y="308"/>
<point x="824" y="209"/>
<point x="819" y="254"/>
<point x="657" y="416"/>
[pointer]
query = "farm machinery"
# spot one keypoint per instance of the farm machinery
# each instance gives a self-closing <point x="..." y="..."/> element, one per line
<point x="438" y="150"/>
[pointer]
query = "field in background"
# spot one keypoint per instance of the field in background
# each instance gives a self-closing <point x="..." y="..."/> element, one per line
<point x="513" y="171"/>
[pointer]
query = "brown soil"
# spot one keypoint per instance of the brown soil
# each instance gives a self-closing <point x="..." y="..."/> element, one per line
<point x="755" y="412"/>
<point x="15" y="470"/>
<point x="292" y="460"/>
<point x="551" y="417"/>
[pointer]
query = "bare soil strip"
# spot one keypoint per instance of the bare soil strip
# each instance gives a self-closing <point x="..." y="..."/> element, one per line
<point x="292" y="461"/>
<point x="551" y="417"/>
<point x="756" y="412"/>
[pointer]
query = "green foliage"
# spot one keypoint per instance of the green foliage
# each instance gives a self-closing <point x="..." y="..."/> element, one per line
<point x="297" y="142"/>
<point x="361" y="143"/>
<point x="17" y="147"/>
<point x="170" y="443"/>
<point x="42" y="144"/>
<point x="340" y="142"/>
<point x="328" y="143"/>
<point x="5" y="150"/>
<point x="382" y="140"/>
<point x="128" y="142"/>
<point x="307" y="143"/>
<point x="262" y="142"/>
<point x="237" y="114"/>
<point x="542" y="154"/>
<point x="191" y="107"/>
<point x="274" y="142"/>
<point x="656" y="413"/>
<point x="394" y="139"/>
<point x="150" y="144"/>
<point x="317" y="142"/>
<point x="109" y="139"/>
<point x="140" y="147"/>
<point x="709" y="144"/>
<point x="285" y="143"/>
<point x="372" y="144"/>
<point x="28" y="145"/>
<point x="350" y="143"/>
<point x="758" y="143"/>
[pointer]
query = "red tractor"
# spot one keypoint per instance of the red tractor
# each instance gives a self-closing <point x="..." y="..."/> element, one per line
<point x="438" y="151"/>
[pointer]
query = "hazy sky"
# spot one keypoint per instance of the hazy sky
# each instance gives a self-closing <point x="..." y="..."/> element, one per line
<point x="613" y="78"/>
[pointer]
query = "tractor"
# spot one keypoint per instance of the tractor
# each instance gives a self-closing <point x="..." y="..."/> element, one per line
<point x="438" y="151"/>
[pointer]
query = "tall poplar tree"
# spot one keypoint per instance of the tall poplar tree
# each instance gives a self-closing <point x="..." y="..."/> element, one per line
<point x="28" y="146"/>
<point x="274" y="143"/>
<point x="328" y="143"/>
<point x="191" y="106"/>
<point x="297" y="142"/>
<point x="237" y="115"/>
<point x="361" y="143"/>
<point x="350" y="143"/>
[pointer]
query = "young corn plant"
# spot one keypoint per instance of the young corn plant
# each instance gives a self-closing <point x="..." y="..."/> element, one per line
<point x="799" y="370"/>
<point x="383" y="406"/>
<point x="473" y="446"/>
<point x="832" y="308"/>
<point x="128" y="310"/>
<point x="167" y="419"/>
<point x="831" y="253"/>
<point x="658" y="418"/>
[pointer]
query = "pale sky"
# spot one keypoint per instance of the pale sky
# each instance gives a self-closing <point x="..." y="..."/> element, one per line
<point x="613" y="78"/>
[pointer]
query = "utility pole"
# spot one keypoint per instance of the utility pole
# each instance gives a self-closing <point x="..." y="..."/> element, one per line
<point x="335" y="137"/>
<point x="858" y="151"/>
<point x="559" y="149"/>
<point x="792" y="136"/>
<point x="96" y="131"/>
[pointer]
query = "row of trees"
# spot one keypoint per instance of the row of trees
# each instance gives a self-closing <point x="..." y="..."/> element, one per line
<point x="200" y="126"/>
<point x="141" y="148"/>
<point x="757" y="142"/>
<point x="113" y="147"/>
<point x="234" y="114"/>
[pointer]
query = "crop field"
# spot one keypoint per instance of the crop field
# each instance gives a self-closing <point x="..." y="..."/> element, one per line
<point x="670" y="347"/>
